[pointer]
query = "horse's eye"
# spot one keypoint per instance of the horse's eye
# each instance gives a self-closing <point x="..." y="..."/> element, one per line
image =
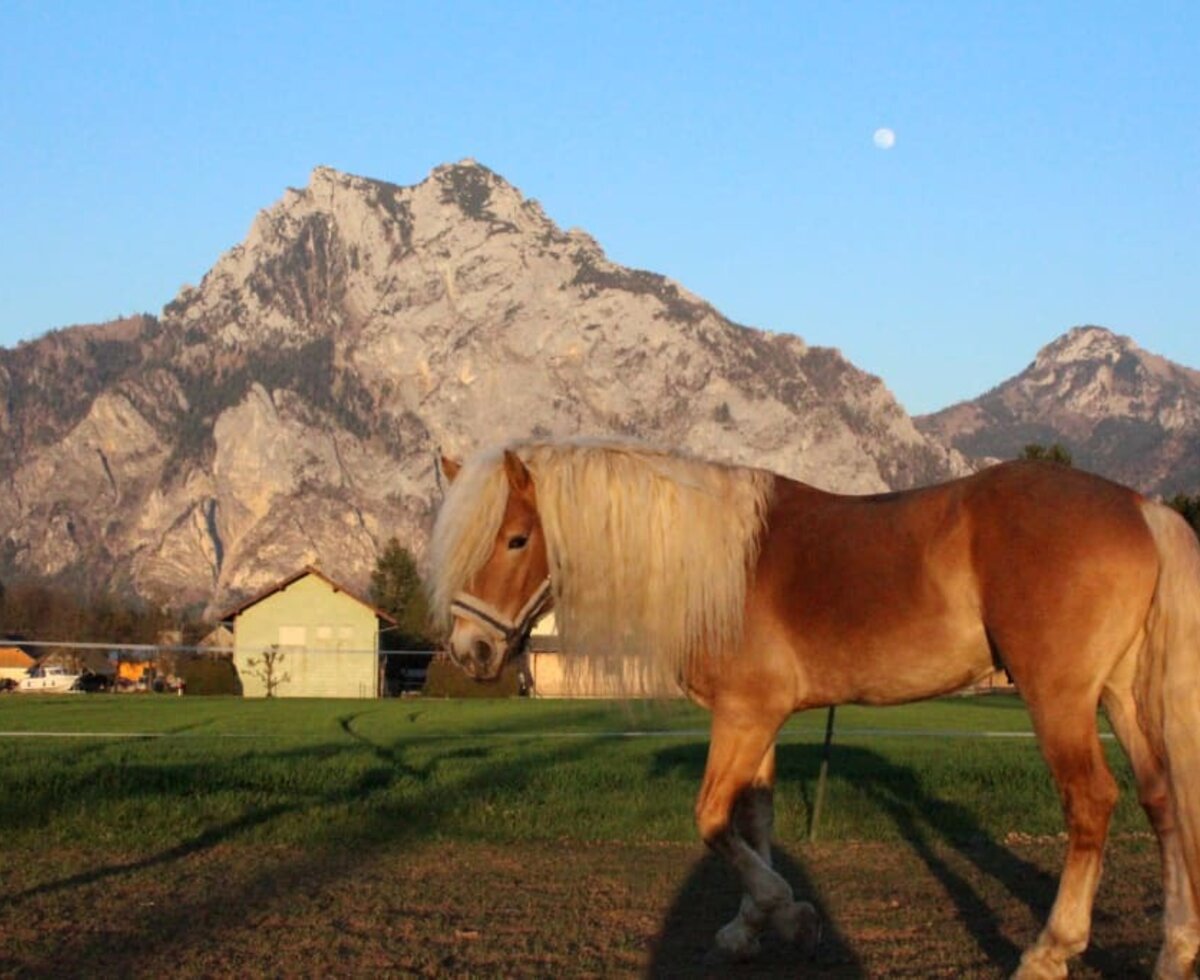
<point x="517" y="542"/>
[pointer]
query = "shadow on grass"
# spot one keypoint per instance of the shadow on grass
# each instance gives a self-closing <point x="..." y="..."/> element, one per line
<point x="931" y="827"/>
<point x="362" y="821"/>
<point x="325" y="859"/>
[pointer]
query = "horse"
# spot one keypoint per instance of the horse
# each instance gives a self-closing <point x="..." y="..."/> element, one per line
<point x="761" y="596"/>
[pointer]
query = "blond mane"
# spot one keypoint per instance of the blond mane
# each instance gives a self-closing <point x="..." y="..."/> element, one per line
<point x="650" y="552"/>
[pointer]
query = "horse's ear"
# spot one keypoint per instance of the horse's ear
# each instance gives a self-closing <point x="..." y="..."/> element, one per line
<point x="516" y="471"/>
<point x="450" y="468"/>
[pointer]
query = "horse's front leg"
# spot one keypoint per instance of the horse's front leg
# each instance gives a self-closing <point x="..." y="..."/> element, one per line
<point x="735" y="814"/>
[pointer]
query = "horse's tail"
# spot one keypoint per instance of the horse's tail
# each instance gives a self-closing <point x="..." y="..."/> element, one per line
<point x="1168" y="679"/>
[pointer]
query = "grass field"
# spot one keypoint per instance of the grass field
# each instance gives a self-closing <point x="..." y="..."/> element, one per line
<point x="514" y="838"/>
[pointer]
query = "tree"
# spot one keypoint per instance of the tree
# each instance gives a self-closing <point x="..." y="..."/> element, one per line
<point x="267" y="669"/>
<point x="1057" y="453"/>
<point x="396" y="588"/>
<point x="1189" y="507"/>
<point x="53" y="611"/>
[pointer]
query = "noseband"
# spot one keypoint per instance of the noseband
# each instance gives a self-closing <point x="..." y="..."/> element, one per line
<point x="491" y="619"/>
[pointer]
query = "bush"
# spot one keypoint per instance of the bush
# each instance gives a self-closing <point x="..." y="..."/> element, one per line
<point x="202" y="675"/>
<point x="446" y="680"/>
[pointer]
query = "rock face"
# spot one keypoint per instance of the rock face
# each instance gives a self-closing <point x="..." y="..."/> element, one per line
<point x="1121" y="411"/>
<point x="288" y="409"/>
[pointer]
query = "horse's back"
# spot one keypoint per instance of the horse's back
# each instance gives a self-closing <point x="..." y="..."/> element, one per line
<point x="899" y="596"/>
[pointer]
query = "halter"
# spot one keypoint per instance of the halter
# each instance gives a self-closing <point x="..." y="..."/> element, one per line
<point x="490" y="618"/>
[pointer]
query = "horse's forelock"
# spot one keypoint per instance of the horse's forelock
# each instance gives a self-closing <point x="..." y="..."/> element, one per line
<point x="465" y="529"/>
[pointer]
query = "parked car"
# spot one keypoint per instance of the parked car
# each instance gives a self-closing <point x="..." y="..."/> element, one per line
<point x="92" y="683"/>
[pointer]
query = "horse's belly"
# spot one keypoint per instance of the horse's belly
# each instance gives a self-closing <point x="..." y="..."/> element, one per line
<point x="908" y="666"/>
<point x="927" y="678"/>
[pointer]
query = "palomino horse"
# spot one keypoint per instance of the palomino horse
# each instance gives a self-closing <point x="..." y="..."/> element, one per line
<point x="762" y="596"/>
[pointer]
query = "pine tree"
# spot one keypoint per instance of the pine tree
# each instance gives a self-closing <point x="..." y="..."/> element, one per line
<point x="396" y="588"/>
<point x="1057" y="453"/>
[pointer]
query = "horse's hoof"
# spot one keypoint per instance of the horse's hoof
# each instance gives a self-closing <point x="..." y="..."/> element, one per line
<point x="798" y="923"/>
<point x="718" y="961"/>
<point x="1039" y="963"/>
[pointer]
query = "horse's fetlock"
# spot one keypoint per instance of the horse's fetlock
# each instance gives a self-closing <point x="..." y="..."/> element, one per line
<point x="1047" y="959"/>
<point x="1177" y="958"/>
<point x="775" y="893"/>
<point x="750" y="912"/>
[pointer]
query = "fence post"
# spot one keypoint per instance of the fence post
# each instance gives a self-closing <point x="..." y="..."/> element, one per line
<point x="819" y="800"/>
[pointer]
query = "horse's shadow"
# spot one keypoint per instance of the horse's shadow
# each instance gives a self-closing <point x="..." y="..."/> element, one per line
<point x="709" y="898"/>
<point x="945" y="836"/>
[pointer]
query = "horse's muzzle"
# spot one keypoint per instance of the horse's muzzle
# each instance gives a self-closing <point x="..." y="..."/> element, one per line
<point x="483" y="638"/>
<point x="479" y="656"/>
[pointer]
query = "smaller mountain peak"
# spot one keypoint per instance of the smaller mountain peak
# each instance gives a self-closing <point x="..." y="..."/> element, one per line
<point x="1085" y="343"/>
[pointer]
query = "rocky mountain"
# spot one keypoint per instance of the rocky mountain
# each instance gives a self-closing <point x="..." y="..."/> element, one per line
<point x="288" y="409"/>
<point x="1121" y="411"/>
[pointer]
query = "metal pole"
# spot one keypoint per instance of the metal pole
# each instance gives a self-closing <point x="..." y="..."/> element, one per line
<point x="819" y="800"/>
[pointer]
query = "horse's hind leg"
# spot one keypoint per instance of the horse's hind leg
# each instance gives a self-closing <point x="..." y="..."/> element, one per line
<point x="1181" y="919"/>
<point x="734" y="814"/>
<point x="1071" y="746"/>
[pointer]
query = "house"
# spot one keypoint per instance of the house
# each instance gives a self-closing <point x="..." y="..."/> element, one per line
<point x="308" y="637"/>
<point x="14" y="663"/>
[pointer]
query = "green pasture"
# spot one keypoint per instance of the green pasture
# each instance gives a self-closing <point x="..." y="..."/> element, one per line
<point x="166" y="772"/>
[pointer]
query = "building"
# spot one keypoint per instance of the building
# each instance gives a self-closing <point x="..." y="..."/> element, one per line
<point x="14" y="663"/>
<point x="308" y="637"/>
<point x="553" y="673"/>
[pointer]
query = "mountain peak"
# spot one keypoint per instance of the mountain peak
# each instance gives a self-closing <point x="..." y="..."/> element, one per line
<point x="322" y="174"/>
<point x="288" y="407"/>
<point x="1085" y="343"/>
<point x="1122" y="411"/>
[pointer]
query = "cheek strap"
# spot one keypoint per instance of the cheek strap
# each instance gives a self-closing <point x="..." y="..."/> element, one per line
<point x="467" y="606"/>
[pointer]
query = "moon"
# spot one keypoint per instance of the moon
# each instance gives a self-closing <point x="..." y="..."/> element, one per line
<point x="884" y="138"/>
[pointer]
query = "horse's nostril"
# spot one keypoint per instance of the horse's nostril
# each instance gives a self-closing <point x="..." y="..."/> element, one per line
<point x="483" y="652"/>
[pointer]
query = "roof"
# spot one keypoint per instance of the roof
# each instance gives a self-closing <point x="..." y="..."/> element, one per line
<point x="15" y="657"/>
<point x="219" y="636"/>
<point x="295" y="577"/>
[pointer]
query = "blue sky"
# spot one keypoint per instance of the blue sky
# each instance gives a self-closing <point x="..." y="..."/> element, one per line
<point x="1045" y="172"/>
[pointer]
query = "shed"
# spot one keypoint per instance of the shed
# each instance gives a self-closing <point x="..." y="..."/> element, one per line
<point x="307" y="636"/>
<point x="14" y="663"/>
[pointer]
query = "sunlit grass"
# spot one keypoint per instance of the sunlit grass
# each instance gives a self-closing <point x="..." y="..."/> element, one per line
<point x="317" y="773"/>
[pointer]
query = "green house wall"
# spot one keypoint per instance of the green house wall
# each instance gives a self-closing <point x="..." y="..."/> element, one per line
<point x="328" y="643"/>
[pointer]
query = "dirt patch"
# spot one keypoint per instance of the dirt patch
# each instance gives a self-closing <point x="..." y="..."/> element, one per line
<point x="919" y="909"/>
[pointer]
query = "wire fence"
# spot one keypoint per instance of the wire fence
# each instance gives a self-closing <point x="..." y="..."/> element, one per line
<point x="158" y="649"/>
<point x="58" y="666"/>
